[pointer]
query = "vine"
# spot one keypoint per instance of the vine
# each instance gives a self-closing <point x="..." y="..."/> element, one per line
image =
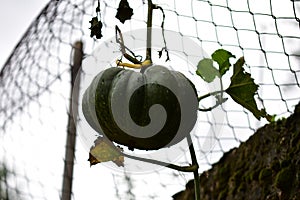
<point x="96" y="24"/>
<point x="242" y="88"/>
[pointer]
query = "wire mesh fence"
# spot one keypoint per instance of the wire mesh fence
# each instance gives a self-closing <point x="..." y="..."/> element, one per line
<point x="35" y="89"/>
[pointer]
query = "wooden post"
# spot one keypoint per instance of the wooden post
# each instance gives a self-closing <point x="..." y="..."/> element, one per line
<point x="71" y="129"/>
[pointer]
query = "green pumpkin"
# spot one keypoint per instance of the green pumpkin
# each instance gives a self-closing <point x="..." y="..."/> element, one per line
<point x="150" y="110"/>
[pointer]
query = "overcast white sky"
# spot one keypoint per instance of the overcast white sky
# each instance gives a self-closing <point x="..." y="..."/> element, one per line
<point x="15" y="17"/>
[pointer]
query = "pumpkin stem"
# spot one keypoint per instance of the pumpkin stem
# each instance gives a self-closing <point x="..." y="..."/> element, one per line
<point x="144" y="64"/>
<point x="149" y="30"/>
<point x="122" y="64"/>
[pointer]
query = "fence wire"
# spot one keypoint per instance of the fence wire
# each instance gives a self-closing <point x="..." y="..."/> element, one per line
<point x="35" y="89"/>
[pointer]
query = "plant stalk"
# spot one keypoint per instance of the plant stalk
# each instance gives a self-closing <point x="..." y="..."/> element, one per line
<point x="190" y="168"/>
<point x="194" y="163"/>
<point x="149" y="30"/>
<point x="210" y="94"/>
<point x="219" y="101"/>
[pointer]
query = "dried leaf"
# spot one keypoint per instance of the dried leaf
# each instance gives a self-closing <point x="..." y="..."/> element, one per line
<point x="96" y="27"/>
<point x="104" y="151"/>
<point x="160" y="53"/>
<point x="124" y="11"/>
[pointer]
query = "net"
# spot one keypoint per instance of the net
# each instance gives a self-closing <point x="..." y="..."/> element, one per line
<point x="35" y="89"/>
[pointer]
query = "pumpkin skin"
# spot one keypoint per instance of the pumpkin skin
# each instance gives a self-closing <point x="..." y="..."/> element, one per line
<point x="147" y="111"/>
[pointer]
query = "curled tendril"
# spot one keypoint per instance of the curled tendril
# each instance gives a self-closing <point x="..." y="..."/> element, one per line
<point x="165" y="49"/>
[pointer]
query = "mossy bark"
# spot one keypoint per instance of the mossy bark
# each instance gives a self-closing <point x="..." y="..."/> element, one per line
<point x="266" y="166"/>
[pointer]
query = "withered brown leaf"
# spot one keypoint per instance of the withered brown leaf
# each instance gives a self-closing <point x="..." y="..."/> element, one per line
<point x="104" y="151"/>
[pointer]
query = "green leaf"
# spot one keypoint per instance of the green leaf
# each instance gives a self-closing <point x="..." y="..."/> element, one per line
<point x="206" y="70"/>
<point x="222" y="56"/>
<point x="242" y="90"/>
<point x="104" y="151"/>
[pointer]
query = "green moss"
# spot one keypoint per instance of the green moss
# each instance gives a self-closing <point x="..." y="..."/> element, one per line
<point x="223" y="194"/>
<point x="248" y="177"/>
<point x="296" y="139"/>
<point x="297" y="109"/>
<point x="237" y="177"/>
<point x="281" y="121"/>
<point x="298" y="146"/>
<point x="254" y="175"/>
<point x="265" y="176"/>
<point x="284" y="179"/>
<point x="285" y="163"/>
<point x="223" y="176"/>
<point x="235" y="181"/>
<point x="242" y="187"/>
<point x="279" y="124"/>
<point x="275" y="165"/>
